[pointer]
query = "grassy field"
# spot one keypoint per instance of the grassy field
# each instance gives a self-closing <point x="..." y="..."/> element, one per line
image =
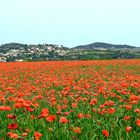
<point x="70" y="100"/>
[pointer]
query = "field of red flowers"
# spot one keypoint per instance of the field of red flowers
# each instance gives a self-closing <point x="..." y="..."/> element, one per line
<point x="70" y="100"/>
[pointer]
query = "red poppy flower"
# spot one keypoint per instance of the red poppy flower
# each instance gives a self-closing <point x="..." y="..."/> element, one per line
<point x="111" y="110"/>
<point x="63" y="120"/>
<point x="128" y="128"/>
<point x="51" y="118"/>
<point x="11" y="116"/>
<point x="136" y="110"/>
<point x="93" y="101"/>
<point x="12" y="135"/>
<point x="80" y="115"/>
<point x="44" y="112"/>
<point x="37" y="135"/>
<point x="105" y="133"/>
<point x="5" y="108"/>
<point x="77" y="130"/>
<point x="74" y="105"/>
<point x="24" y="134"/>
<point x="13" y="126"/>
<point x="138" y="122"/>
<point x="126" y="117"/>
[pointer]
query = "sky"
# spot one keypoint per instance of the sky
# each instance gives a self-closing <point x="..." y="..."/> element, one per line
<point x="70" y="22"/>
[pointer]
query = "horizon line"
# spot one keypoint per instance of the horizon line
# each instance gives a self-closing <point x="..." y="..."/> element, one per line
<point x="64" y="45"/>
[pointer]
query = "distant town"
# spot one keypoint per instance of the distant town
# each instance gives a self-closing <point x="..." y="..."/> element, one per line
<point x="15" y="52"/>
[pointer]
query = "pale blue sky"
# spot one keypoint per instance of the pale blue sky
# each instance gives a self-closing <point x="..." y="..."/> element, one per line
<point x="70" y="22"/>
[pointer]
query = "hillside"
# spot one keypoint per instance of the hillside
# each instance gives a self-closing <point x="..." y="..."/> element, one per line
<point x="99" y="45"/>
<point x="42" y="52"/>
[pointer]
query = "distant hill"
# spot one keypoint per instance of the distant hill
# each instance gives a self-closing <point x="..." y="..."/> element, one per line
<point x="42" y="52"/>
<point x="99" y="45"/>
<point x="12" y="46"/>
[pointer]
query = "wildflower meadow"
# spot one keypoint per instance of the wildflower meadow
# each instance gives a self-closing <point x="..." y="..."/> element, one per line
<point x="70" y="100"/>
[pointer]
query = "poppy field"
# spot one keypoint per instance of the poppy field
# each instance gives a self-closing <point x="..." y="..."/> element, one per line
<point x="70" y="100"/>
